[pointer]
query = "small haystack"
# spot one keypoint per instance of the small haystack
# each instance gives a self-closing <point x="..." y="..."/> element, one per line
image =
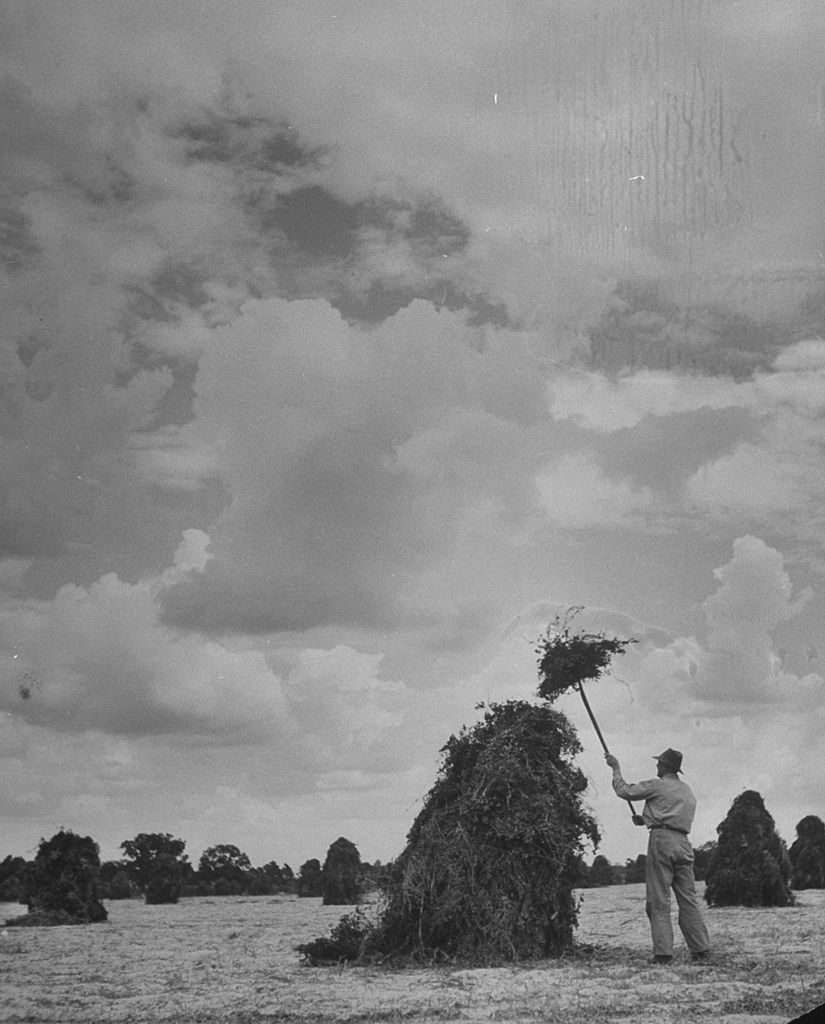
<point x="750" y="866"/>
<point x="62" y="886"/>
<point x="341" y="874"/>
<point x="807" y="854"/>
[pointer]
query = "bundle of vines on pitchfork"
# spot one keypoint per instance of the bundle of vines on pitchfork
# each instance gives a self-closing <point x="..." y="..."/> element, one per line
<point x="568" y="657"/>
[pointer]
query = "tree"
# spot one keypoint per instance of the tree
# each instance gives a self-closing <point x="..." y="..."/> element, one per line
<point x="634" y="870"/>
<point x="601" y="871"/>
<point x="807" y="854"/>
<point x="702" y="858"/>
<point x="122" y="887"/>
<point x="12" y="878"/>
<point x="115" y="883"/>
<point x="277" y="875"/>
<point x="310" y="878"/>
<point x="341" y="874"/>
<point x="223" y="861"/>
<point x="166" y="880"/>
<point x="150" y="857"/>
<point x="62" y="885"/>
<point x="750" y="867"/>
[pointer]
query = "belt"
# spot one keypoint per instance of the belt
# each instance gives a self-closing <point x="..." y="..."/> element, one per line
<point x="670" y="828"/>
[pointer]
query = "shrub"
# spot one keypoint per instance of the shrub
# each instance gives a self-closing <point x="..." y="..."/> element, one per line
<point x="807" y="854"/>
<point x="346" y="941"/>
<point x="750" y="866"/>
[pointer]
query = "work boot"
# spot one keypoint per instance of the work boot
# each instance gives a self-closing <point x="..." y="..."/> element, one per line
<point x="662" y="958"/>
<point x="700" y="956"/>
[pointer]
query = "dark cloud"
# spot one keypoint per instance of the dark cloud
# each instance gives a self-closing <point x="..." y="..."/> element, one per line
<point x="644" y="327"/>
<point x="255" y="142"/>
<point x="381" y="253"/>
<point x="317" y="223"/>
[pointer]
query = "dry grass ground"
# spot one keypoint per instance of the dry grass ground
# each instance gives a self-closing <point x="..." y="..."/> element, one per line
<point x="232" y="961"/>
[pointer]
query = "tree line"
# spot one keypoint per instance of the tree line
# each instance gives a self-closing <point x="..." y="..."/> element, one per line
<point x="66" y="882"/>
<point x="748" y="864"/>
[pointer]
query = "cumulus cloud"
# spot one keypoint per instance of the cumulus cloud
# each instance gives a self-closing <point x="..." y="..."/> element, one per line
<point x="604" y="404"/>
<point x="577" y="493"/>
<point x="100" y="661"/>
<point x="350" y="458"/>
<point x="753" y="598"/>
<point x="97" y="659"/>
<point x="739" y="451"/>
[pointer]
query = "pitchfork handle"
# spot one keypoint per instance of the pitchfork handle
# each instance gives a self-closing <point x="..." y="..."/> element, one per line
<point x="599" y="732"/>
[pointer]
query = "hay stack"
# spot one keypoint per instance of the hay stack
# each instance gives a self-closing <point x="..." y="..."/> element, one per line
<point x="491" y="861"/>
<point x="807" y="854"/>
<point x="341" y="874"/>
<point x="750" y="867"/>
<point x="62" y="886"/>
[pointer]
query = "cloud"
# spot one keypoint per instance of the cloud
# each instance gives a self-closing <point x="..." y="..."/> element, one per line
<point x="101" y="661"/>
<point x="576" y="493"/>
<point x="754" y="597"/>
<point x="352" y="458"/>
<point x="98" y="659"/>
<point x="691" y="445"/>
<point x="604" y="404"/>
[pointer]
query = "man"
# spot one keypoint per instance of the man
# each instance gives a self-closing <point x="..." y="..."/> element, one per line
<point x="668" y="814"/>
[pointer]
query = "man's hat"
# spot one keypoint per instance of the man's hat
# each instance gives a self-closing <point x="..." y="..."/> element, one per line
<point x="672" y="758"/>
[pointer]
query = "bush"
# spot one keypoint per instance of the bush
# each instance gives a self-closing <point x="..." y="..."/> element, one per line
<point x="750" y="866"/>
<point x="346" y="941"/>
<point x="62" y="885"/>
<point x="807" y="854"/>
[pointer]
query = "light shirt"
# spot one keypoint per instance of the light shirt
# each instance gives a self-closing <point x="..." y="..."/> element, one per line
<point x="668" y="801"/>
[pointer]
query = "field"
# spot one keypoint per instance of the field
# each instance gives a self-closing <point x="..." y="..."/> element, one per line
<point x="232" y="961"/>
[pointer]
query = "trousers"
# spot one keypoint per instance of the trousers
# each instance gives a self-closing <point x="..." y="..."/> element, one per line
<point x="669" y="865"/>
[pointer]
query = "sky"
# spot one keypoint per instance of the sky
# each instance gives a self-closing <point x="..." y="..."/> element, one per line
<point x="345" y="345"/>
